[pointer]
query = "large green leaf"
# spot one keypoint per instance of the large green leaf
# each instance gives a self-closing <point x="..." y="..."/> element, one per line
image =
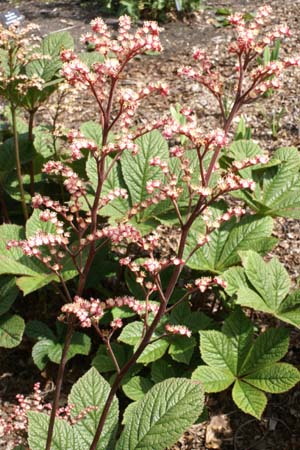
<point x="249" y="399"/>
<point x="11" y="330"/>
<point x="217" y="350"/>
<point x="277" y="188"/>
<point x="239" y="329"/>
<point x="161" y="417"/>
<point x="137" y="170"/>
<point x="92" y="130"/>
<point x="63" y="435"/>
<point x="268" y="289"/>
<point x="213" y="379"/>
<point x="275" y="378"/>
<point x="92" y="390"/>
<point x="268" y="348"/>
<point x="232" y="357"/>
<point x="251" y="232"/>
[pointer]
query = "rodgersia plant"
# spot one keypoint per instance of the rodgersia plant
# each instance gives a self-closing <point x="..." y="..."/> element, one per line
<point x="132" y="181"/>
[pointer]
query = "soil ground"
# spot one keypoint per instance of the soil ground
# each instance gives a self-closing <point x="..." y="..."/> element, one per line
<point x="228" y="428"/>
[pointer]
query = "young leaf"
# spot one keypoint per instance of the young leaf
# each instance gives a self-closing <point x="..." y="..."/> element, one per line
<point x="137" y="387"/>
<point x="11" y="330"/>
<point x="249" y="399"/>
<point x="92" y="390"/>
<point x="161" y="417"/>
<point x="63" y="435"/>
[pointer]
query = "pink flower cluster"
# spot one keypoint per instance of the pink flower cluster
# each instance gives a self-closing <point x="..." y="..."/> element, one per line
<point x="73" y="183"/>
<point x="178" y="329"/>
<point x="86" y="311"/>
<point x="202" y="284"/>
<point x="137" y="306"/>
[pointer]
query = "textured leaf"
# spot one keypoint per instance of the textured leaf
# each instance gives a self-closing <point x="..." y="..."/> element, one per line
<point x="270" y="286"/>
<point x="92" y="390"/>
<point x="137" y="170"/>
<point x="161" y="417"/>
<point x="8" y="293"/>
<point x="11" y="330"/>
<point x="239" y="329"/>
<point x="213" y="378"/>
<point x="40" y="352"/>
<point x="277" y="378"/>
<point x="270" y="280"/>
<point x="243" y="149"/>
<point x="182" y="348"/>
<point x="63" y="436"/>
<point x="249" y="399"/>
<point x="35" y="224"/>
<point x="267" y="349"/>
<point x="92" y="130"/>
<point x="235" y="278"/>
<point x="251" y="232"/>
<point x="161" y="370"/>
<point x="217" y="350"/>
<point x="153" y="351"/>
<point x="137" y="387"/>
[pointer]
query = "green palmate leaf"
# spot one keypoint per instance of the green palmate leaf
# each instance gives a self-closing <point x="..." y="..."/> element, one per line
<point x="137" y="387"/>
<point x="213" y="378"/>
<point x="194" y="320"/>
<point x="276" y="378"/>
<point x="251" y="232"/>
<point x="239" y="329"/>
<point x="11" y="330"/>
<point x="182" y="348"/>
<point x="131" y="333"/>
<point x="268" y="289"/>
<point x="63" y="435"/>
<point x="161" y="370"/>
<point x="92" y="390"/>
<point x="270" y="280"/>
<point x="160" y="418"/>
<point x="8" y="293"/>
<point x="277" y="188"/>
<point x="249" y="399"/>
<point x="137" y="170"/>
<point x="217" y="350"/>
<point x="235" y="278"/>
<point x="267" y="349"/>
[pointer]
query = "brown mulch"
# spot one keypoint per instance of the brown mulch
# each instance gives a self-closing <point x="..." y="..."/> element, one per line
<point x="228" y="428"/>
